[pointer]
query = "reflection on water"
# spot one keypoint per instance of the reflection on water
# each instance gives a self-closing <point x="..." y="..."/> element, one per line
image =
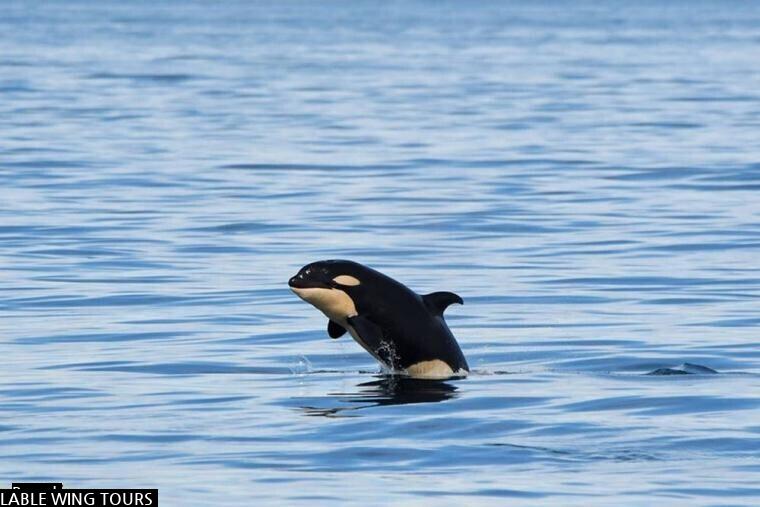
<point x="387" y="390"/>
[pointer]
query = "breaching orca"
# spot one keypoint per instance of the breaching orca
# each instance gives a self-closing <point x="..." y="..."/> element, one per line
<point x="401" y="329"/>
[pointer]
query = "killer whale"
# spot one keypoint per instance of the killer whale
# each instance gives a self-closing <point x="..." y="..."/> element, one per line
<point x="403" y="330"/>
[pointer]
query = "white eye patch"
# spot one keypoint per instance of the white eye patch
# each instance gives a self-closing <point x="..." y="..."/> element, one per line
<point x="346" y="280"/>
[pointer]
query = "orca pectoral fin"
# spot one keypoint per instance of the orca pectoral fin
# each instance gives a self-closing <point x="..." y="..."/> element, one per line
<point x="372" y="339"/>
<point x="437" y="302"/>
<point x="335" y="330"/>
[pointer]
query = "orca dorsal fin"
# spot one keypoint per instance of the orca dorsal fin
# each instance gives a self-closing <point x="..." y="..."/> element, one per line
<point x="335" y="330"/>
<point x="437" y="302"/>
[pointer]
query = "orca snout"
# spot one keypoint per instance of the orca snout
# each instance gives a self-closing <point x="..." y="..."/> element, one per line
<point x="307" y="279"/>
<point x="297" y="281"/>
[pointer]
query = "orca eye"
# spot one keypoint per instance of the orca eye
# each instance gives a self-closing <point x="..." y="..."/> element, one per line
<point x="347" y="280"/>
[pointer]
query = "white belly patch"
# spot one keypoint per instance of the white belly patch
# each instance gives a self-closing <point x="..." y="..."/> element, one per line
<point x="434" y="369"/>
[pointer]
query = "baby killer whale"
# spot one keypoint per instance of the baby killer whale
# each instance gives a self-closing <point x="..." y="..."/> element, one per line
<point x="403" y="330"/>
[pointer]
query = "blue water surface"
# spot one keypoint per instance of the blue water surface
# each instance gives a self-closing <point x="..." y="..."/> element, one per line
<point x="586" y="175"/>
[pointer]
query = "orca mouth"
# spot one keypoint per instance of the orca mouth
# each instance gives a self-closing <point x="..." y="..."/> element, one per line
<point x="300" y="283"/>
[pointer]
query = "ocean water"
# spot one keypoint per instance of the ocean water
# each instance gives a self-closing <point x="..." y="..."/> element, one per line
<point x="586" y="175"/>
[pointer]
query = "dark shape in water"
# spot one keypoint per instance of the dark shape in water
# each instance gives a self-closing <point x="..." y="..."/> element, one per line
<point x="684" y="369"/>
<point x="389" y="390"/>
<point x="395" y="390"/>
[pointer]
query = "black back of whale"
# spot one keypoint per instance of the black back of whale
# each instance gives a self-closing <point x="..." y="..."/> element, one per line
<point x="401" y="326"/>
